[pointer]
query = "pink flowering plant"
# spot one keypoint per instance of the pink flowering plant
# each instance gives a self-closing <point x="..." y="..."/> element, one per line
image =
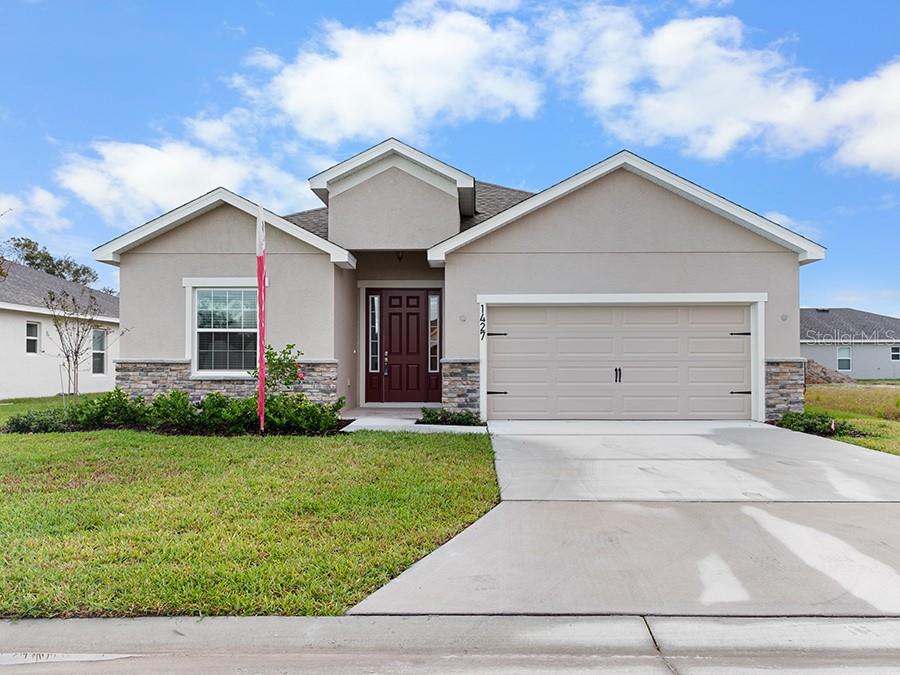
<point x="282" y="367"/>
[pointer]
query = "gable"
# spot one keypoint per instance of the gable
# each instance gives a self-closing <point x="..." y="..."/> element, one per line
<point x="805" y="249"/>
<point x="621" y="212"/>
<point x="111" y="251"/>
<point x="223" y="230"/>
<point x="394" y="208"/>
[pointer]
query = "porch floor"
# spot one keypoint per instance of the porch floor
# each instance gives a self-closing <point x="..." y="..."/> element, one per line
<point x="394" y="413"/>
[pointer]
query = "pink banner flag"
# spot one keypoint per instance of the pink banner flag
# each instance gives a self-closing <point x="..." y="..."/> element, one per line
<point x="261" y="313"/>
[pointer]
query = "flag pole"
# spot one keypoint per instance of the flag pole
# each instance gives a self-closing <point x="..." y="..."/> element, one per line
<point x="261" y="310"/>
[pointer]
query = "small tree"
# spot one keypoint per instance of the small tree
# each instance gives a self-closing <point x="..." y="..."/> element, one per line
<point x="282" y="368"/>
<point x="74" y="319"/>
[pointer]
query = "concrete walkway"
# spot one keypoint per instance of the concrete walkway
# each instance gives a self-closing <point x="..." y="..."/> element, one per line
<point x="399" y="419"/>
<point x="472" y="644"/>
<point x="681" y="518"/>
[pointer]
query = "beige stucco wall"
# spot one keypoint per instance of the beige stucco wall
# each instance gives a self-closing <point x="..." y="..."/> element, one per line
<point x="377" y="266"/>
<point x="26" y="375"/>
<point x="346" y="333"/>
<point x="221" y="243"/>
<point x="622" y="234"/>
<point x="393" y="210"/>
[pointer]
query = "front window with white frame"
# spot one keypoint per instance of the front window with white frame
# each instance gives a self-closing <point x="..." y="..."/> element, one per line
<point x="32" y="337"/>
<point x="225" y="329"/>
<point x="434" y="333"/>
<point x="895" y="353"/>
<point x="844" y="358"/>
<point x="98" y="351"/>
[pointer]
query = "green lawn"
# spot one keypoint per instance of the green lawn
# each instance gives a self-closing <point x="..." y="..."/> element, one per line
<point x="874" y="409"/>
<point x="14" y="406"/>
<point x="120" y="523"/>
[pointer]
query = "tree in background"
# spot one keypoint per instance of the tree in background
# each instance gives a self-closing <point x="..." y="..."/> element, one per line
<point x="2" y="267"/>
<point x="30" y="253"/>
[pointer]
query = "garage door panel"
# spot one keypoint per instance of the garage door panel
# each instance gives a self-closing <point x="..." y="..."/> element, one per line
<point x="650" y="316"/>
<point x="676" y="362"/>
<point x="576" y="374"/>
<point x="537" y="376"/>
<point x="728" y="375"/>
<point x="718" y="315"/>
<point x="738" y="404"/>
<point x="654" y="375"/>
<point x="650" y="346"/>
<point x="713" y="346"/>
<point x="577" y="318"/>
<point x="584" y="346"/>
<point x="650" y="404"/>
<point x="599" y="405"/>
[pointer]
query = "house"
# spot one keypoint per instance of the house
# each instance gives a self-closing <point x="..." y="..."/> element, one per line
<point x="30" y="358"/>
<point x="621" y="292"/>
<point x="862" y="345"/>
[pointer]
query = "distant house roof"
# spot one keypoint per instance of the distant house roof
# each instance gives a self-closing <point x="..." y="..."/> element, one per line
<point x="842" y="324"/>
<point x="26" y="286"/>
<point x="490" y="200"/>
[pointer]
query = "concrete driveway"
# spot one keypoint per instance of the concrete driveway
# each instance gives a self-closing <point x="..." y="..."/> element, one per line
<point x="669" y="518"/>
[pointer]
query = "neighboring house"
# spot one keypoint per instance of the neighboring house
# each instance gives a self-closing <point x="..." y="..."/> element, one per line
<point x="30" y="357"/>
<point x="624" y="291"/>
<point x="859" y="344"/>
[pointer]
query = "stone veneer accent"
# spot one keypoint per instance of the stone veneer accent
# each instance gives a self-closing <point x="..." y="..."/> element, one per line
<point x="460" y="384"/>
<point x="785" y="387"/>
<point x="153" y="377"/>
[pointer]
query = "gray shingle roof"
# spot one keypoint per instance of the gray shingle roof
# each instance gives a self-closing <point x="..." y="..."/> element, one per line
<point x="490" y="200"/>
<point x="314" y="220"/>
<point x="26" y="286"/>
<point x="842" y="323"/>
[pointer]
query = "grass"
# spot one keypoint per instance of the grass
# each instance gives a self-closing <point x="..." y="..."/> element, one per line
<point x="122" y="523"/>
<point x="872" y="408"/>
<point x="872" y="400"/>
<point x="14" y="406"/>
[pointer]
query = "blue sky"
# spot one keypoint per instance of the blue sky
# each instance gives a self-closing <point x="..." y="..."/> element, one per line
<point x="111" y="113"/>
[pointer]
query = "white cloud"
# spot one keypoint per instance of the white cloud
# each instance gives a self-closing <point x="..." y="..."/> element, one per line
<point x="804" y="227"/>
<point x="697" y="83"/>
<point x="128" y="183"/>
<point x="38" y="210"/>
<point x="709" y="4"/>
<point x="263" y="59"/>
<point x="405" y="76"/>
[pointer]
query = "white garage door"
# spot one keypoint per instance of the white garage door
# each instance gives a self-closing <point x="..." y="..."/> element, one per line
<point x="633" y="362"/>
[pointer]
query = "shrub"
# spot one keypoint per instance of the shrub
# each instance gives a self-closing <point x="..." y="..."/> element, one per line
<point x="218" y="414"/>
<point x="110" y="410"/>
<point x="37" y="422"/>
<point x="463" y="418"/>
<point x="819" y="424"/>
<point x="174" y="413"/>
<point x="296" y="414"/>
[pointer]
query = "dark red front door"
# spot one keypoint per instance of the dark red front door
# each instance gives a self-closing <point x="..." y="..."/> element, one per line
<point x="399" y="323"/>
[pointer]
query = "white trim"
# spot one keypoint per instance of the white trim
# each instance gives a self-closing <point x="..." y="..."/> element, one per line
<point x="363" y="344"/>
<point x="221" y="282"/>
<point x="323" y="181"/>
<point x="111" y="251"/>
<point x="758" y="361"/>
<point x="399" y="283"/>
<point x="756" y="302"/>
<point x="621" y="298"/>
<point x="837" y="358"/>
<point x="105" y="353"/>
<point x="37" y="338"/>
<point x="806" y="249"/>
<point x="43" y="311"/>
<point x="439" y="181"/>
